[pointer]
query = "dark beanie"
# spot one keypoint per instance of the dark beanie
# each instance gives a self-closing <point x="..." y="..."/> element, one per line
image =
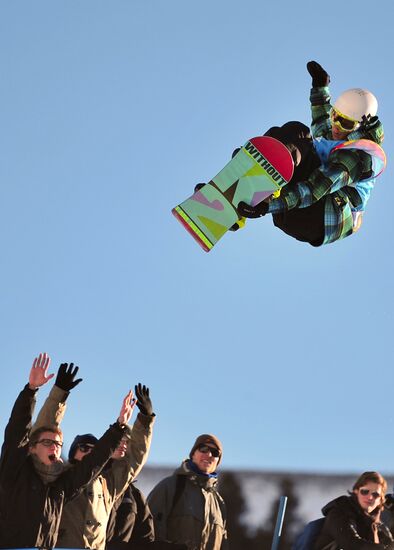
<point x="80" y="440"/>
<point x="206" y="439"/>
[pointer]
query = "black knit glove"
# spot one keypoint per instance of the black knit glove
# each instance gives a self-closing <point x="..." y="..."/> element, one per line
<point x="319" y="76"/>
<point x="249" y="211"/>
<point x="65" y="377"/>
<point x="144" y="402"/>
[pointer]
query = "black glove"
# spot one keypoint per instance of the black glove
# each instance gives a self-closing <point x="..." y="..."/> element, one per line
<point x="249" y="211"/>
<point x="144" y="402"/>
<point x="65" y="377"/>
<point x="369" y="123"/>
<point x="319" y="76"/>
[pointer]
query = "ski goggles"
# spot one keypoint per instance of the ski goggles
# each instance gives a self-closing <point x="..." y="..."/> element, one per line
<point x="344" y="123"/>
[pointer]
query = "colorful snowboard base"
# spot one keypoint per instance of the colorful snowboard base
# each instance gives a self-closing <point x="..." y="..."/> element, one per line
<point x="261" y="167"/>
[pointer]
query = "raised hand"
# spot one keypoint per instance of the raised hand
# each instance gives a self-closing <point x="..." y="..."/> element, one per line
<point x="39" y="371"/>
<point x="320" y="77"/>
<point x="144" y="402"/>
<point x="65" y="377"/>
<point x="127" y="408"/>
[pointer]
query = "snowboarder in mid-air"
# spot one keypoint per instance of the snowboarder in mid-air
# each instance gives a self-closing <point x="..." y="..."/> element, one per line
<point x="336" y="165"/>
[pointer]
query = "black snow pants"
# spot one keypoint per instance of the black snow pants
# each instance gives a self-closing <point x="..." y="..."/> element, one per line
<point x="304" y="224"/>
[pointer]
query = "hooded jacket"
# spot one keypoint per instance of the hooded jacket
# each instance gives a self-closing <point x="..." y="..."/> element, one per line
<point x="348" y="527"/>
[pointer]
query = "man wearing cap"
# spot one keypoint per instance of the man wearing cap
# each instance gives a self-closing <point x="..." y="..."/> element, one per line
<point x="187" y="507"/>
<point x="84" y="519"/>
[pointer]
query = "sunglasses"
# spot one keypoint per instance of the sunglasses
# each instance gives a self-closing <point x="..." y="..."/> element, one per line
<point x="366" y="492"/>
<point x="50" y="442"/>
<point x="342" y="122"/>
<point x="85" y="447"/>
<point x="206" y="449"/>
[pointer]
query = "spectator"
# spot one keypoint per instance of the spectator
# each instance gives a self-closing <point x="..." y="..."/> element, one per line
<point x="186" y="506"/>
<point x="34" y="484"/>
<point x="353" y="522"/>
<point x="84" y="519"/>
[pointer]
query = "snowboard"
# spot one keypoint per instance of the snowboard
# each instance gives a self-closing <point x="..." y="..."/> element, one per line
<point x="260" y="168"/>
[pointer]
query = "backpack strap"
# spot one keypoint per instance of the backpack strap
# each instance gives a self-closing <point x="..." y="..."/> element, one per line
<point x="179" y="488"/>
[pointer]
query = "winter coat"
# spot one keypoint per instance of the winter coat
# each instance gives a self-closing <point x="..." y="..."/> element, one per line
<point x="131" y="520"/>
<point x="30" y="509"/>
<point x="84" y="520"/>
<point x="197" y="518"/>
<point x="348" y="527"/>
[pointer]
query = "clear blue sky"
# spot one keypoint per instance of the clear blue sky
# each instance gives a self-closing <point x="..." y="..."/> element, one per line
<point x="110" y="113"/>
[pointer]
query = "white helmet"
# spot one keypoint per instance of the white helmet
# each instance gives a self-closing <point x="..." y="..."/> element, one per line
<point x="356" y="103"/>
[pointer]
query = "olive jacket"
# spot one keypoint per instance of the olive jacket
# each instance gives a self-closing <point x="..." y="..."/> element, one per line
<point x="197" y="517"/>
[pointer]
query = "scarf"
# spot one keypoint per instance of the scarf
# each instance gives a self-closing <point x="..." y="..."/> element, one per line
<point x="49" y="473"/>
<point x="194" y="468"/>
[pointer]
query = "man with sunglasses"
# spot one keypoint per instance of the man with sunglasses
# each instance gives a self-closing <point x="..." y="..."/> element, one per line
<point x="34" y="482"/>
<point x="187" y="507"/>
<point x="84" y="519"/>
<point x="334" y="172"/>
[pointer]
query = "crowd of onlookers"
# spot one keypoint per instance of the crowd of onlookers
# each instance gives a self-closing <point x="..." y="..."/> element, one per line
<point x="90" y="501"/>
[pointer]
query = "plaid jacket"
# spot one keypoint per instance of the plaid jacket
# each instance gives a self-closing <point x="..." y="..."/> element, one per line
<point x="335" y="183"/>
